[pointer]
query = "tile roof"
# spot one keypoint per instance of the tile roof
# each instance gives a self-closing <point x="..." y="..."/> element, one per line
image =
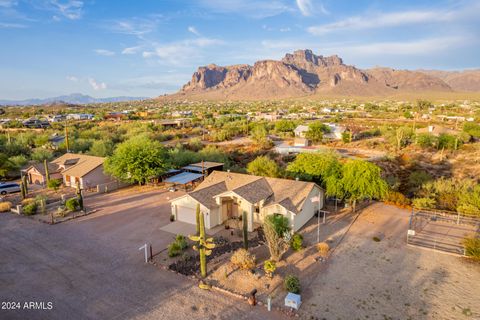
<point x="52" y="168"/>
<point x="290" y="194"/>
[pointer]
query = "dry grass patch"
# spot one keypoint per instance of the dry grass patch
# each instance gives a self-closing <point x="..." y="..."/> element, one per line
<point x="5" y="206"/>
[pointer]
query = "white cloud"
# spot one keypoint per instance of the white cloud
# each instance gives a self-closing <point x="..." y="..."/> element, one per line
<point x="72" y="78"/>
<point x="181" y="51"/>
<point x="392" y="19"/>
<point x="287" y="29"/>
<point x="71" y="9"/>
<point x="418" y="47"/>
<point x="131" y="50"/>
<point x="104" y="52"/>
<point x="8" y="25"/>
<point x="251" y="8"/>
<point x="8" y="3"/>
<point x="194" y="31"/>
<point x="97" y="85"/>
<point x="305" y="7"/>
<point x="135" y="26"/>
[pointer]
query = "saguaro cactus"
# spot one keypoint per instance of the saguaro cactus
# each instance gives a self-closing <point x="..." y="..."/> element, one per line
<point x="47" y="173"/>
<point x="24" y="187"/>
<point x="204" y="246"/>
<point x="245" y="231"/>
<point x="79" y="196"/>
<point x="197" y="219"/>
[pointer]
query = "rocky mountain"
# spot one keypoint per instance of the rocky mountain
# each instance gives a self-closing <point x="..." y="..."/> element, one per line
<point x="303" y="73"/>
<point x="466" y="80"/>
<point x="74" y="98"/>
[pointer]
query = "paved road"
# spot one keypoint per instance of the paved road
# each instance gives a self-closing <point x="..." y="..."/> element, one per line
<point x="90" y="268"/>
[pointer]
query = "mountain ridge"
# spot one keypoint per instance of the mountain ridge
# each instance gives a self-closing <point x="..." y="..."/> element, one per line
<point x="303" y="73"/>
<point x="74" y="98"/>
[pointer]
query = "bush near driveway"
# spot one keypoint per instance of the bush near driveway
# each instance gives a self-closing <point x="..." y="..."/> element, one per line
<point x="292" y="284"/>
<point x="323" y="249"/>
<point x="5" y="206"/>
<point x="296" y="242"/>
<point x="177" y="246"/>
<point x="243" y="259"/>
<point x="30" y="209"/>
<point x="472" y="248"/>
<point x="72" y="204"/>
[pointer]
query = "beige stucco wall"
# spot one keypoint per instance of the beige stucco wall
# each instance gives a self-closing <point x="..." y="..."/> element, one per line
<point x="211" y="216"/>
<point x="309" y="208"/>
<point x="94" y="178"/>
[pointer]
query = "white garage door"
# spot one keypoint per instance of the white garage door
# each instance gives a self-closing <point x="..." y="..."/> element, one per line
<point x="186" y="214"/>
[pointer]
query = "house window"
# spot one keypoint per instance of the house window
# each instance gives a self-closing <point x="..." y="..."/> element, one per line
<point x="257" y="209"/>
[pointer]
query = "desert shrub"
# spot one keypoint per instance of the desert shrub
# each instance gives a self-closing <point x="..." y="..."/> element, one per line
<point x="292" y="284"/>
<point x="27" y="201"/>
<point x="426" y="140"/>
<point x="296" y="242"/>
<point x="423" y="203"/>
<point x="243" y="259"/>
<point x="269" y="266"/>
<point x="174" y="249"/>
<point x="397" y="199"/>
<point x="182" y="241"/>
<point x="72" y="204"/>
<point x="323" y="249"/>
<point x="54" y="184"/>
<point x="280" y="223"/>
<point x="5" y="206"/>
<point x="472" y="248"/>
<point x="30" y="209"/>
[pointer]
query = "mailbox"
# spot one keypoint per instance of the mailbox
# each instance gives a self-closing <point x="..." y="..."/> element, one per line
<point x="293" y="300"/>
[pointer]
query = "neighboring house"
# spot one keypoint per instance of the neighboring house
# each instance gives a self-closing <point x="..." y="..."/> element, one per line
<point x="85" y="169"/>
<point x="80" y="116"/>
<point x="335" y="132"/>
<point x="300" y="131"/>
<point x="36" y="173"/>
<point x="226" y="195"/>
<point x="437" y="130"/>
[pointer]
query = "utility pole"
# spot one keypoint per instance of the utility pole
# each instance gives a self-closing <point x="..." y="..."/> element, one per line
<point x="67" y="144"/>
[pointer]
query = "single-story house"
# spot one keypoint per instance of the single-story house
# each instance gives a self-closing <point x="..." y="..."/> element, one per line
<point x="36" y="173"/>
<point x="226" y="195"/>
<point x="300" y="131"/>
<point x="335" y="133"/>
<point x="88" y="170"/>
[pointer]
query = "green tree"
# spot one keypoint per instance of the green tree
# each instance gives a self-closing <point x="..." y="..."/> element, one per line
<point x="42" y="154"/>
<point x="472" y="129"/>
<point x="263" y="166"/>
<point x="323" y="168"/>
<point x="101" y="148"/>
<point x="137" y="160"/>
<point x="285" y="126"/>
<point x="426" y="140"/>
<point x="362" y="180"/>
<point x="315" y="131"/>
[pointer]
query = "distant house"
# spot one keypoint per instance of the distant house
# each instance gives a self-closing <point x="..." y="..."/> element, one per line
<point x="437" y="130"/>
<point x="85" y="169"/>
<point x="335" y="133"/>
<point x="226" y="195"/>
<point x="116" y="116"/>
<point x="80" y="116"/>
<point x="36" y="173"/>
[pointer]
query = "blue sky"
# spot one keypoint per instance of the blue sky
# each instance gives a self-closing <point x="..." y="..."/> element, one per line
<point x="150" y="47"/>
